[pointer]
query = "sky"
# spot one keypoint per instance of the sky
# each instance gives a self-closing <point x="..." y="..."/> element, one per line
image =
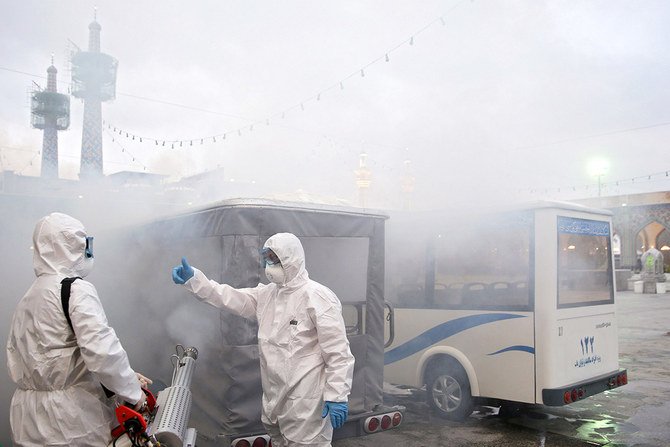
<point x="495" y="100"/>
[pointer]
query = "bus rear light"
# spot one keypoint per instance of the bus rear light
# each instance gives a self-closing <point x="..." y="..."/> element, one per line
<point x="622" y="379"/>
<point x="241" y="443"/>
<point x="386" y="422"/>
<point x="397" y="419"/>
<point x="618" y="380"/>
<point x="566" y="397"/>
<point x="581" y="393"/>
<point x="259" y="442"/>
<point x="574" y="395"/>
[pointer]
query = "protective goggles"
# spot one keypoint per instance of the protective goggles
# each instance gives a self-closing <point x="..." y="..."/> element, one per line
<point x="269" y="257"/>
<point x="89" y="247"/>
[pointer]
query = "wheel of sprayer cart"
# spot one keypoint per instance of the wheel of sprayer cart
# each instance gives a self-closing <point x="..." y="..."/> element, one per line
<point x="448" y="390"/>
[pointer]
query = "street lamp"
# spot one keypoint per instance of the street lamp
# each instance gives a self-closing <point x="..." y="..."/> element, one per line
<point x="598" y="167"/>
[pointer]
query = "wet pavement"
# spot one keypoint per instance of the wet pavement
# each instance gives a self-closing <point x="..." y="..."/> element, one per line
<point x="635" y="415"/>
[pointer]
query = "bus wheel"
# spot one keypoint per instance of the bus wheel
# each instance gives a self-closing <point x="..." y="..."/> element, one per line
<point x="448" y="391"/>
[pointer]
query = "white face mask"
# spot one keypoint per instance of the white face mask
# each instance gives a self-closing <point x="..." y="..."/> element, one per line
<point x="275" y="273"/>
<point x="85" y="267"/>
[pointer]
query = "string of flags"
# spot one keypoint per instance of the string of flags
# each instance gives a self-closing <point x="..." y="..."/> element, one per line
<point x="299" y="105"/>
<point x="641" y="179"/>
<point x="130" y="156"/>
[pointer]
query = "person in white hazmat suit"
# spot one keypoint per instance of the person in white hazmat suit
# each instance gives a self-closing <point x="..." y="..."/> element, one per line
<point x="306" y="364"/>
<point x="59" y="373"/>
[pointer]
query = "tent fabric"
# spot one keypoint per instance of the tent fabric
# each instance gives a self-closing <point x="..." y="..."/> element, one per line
<point x="223" y="241"/>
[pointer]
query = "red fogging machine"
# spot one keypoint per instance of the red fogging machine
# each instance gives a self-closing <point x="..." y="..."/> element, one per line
<point x="162" y="421"/>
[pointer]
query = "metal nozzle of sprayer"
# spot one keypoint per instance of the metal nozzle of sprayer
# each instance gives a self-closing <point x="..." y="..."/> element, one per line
<point x="174" y="403"/>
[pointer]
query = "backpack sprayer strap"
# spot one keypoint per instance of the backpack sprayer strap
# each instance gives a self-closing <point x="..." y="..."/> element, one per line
<point x="66" y="285"/>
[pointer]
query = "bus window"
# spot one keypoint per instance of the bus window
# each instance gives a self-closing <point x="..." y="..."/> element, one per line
<point x="584" y="263"/>
<point x="485" y="265"/>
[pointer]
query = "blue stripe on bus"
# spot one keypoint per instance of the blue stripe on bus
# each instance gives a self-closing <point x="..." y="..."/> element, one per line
<point x="528" y="349"/>
<point x="441" y="332"/>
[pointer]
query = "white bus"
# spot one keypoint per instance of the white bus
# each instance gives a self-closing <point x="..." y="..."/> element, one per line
<point x="512" y="307"/>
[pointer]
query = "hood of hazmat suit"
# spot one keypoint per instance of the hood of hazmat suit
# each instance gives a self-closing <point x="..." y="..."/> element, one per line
<point x="59" y="398"/>
<point x="304" y="352"/>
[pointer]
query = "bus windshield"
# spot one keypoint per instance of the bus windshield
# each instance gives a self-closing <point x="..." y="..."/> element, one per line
<point x="584" y="263"/>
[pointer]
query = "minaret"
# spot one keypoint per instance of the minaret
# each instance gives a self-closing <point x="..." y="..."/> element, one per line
<point x="50" y="111"/>
<point x="94" y="81"/>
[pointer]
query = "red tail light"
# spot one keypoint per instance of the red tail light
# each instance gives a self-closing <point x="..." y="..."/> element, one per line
<point x="253" y="441"/>
<point x="566" y="397"/>
<point x="373" y="424"/>
<point x="383" y="421"/>
<point x="397" y="418"/>
<point x="386" y="422"/>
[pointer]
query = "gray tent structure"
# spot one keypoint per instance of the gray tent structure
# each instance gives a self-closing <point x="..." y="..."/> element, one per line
<point x="344" y="249"/>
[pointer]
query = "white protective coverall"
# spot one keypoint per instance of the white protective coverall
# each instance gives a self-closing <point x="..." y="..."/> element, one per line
<point x="60" y="400"/>
<point x="304" y="352"/>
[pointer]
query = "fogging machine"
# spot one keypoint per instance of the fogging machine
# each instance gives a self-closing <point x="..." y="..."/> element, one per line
<point x="163" y="422"/>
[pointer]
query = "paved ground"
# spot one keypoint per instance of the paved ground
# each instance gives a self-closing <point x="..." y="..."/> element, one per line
<point x="635" y="415"/>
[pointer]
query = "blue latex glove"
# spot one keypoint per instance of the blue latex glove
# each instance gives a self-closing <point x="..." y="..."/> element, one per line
<point x="338" y="412"/>
<point x="182" y="273"/>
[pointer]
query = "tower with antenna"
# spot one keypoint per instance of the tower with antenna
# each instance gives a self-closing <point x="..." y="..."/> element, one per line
<point x="50" y="111"/>
<point x="93" y="81"/>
